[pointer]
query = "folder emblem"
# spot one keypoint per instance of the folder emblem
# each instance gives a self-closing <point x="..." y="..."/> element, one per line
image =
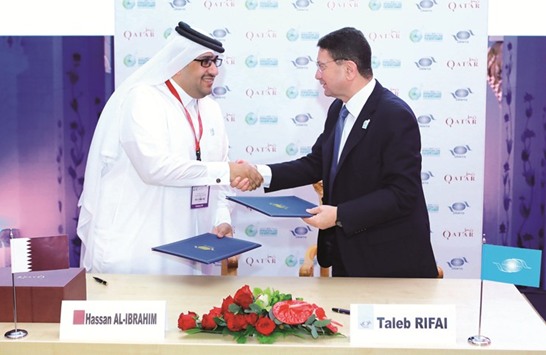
<point x="204" y="247"/>
<point x="278" y="205"/>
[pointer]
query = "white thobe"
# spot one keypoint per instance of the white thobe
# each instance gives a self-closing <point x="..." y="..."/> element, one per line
<point x="144" y="194"/>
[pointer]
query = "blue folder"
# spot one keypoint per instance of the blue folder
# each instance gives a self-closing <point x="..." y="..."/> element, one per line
<point x="276" y="206"/>
<point x="207" y="248"/>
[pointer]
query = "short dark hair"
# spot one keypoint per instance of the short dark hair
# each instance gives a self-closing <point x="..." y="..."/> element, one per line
<point x="350" y="44"/>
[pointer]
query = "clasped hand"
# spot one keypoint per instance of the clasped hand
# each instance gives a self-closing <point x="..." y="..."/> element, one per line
<point x="244" y="176"/>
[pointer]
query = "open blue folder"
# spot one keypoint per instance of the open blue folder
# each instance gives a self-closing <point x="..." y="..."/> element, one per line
<point x="276" y="206"/>
<point x="207" y="248"/>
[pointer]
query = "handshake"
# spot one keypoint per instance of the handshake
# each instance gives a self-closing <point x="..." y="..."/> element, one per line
<point x="244" y="176"/>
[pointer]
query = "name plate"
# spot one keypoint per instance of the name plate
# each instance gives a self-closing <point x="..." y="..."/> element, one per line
<point x="136" y="321"/>
<point x="412" y="324"/>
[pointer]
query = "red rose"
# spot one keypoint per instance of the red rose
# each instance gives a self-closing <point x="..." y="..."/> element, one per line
<point x="208" y="322"/>
<point x="225" y="304"/>
<point x="187" y="321"/>
<point x="244" y="297"/>
<point x="228" y="315"/>
<point x="236" y="322"/>
<point x="216" y="311"/>
<point x="265" y="326"/>
<point x="251" y="318"/>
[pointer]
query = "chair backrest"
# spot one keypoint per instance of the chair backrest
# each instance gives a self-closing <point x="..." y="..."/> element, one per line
<point x="307" y="268"/>
<point x="229" y="266"/>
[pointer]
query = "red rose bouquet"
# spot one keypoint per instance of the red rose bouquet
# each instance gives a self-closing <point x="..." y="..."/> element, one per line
<point x="263" y="314"/>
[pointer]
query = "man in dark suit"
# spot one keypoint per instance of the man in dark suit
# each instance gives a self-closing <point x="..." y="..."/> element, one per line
<point x="373" y="221"/>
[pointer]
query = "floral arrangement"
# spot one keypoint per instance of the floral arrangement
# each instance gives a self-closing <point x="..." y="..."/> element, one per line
<point x="263" y="314"/>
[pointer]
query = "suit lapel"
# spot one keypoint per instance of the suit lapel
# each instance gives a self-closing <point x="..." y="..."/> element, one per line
<point x="329" y="130"/>
<point x="360" y="129"/>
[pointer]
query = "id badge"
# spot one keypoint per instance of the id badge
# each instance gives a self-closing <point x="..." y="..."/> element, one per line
<point x="200" y="196"/>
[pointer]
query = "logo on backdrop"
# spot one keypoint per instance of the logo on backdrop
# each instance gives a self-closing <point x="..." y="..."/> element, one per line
<point x="263" y="92"/>
<point x="142" y="4"/>
<point x="468" y="177"/>
<point x="343" y="4"/>
<point x="253" y="231"/>
<point x="463" y="36"/>
<point x="218" y="4"/>
<point x="465" y="64"/>
<point x="259" y="261"/>
<point x="426" y="5"/>
<point x="301" y="231"/>
<point x="261" y="35"/>
<point x="425" y="63"/>
<point x="220" y="33"/>
<point x="251" y="119"/>
<point x="375" y="5"/>
<point x="457" y="263"/>
<point x="430" y="152"/>
<point x="293" y="92"/>
<point x="220" y="92"/>
<point x="302" y="119"/>
<point x="293" y="35"/>
<point x="416" y="93"/>
<point x="465" y="5"/>
<point x="460" y="151"/>
<point x="386" y="63"/>
<point x="262" y="4"/>
<point x="253" y="61"/>
<point x="425" y="120"/>
<point x="130" y="60"/>
<point x="293" y="149"/>
<point x="417" y="36"/>
<point x="302" y="62"/>
<point x="469" y="120"/>
<point x="426" y="176"/>
<point x="302" y="5"/>
<point x="384" y="36"/>
<point x="178" y="4"/>
<point x="459" y="207"/>
<point x="461" y="94"/>
<point x="291" y="261"/>
<point x="255" y="149"/>
<point x="433" y="207"/>
<point x="465" y="233"/>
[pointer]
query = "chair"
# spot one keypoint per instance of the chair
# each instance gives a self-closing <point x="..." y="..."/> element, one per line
<point x="229" y="266"/>
<point x="307" y="268"/>
<point x="440" y="273"/>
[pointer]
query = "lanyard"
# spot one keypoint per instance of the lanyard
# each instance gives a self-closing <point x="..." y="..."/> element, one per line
<point x="188" y="117"/>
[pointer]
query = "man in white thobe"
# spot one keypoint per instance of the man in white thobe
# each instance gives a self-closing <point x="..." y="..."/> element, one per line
<point x="158" y="170"/>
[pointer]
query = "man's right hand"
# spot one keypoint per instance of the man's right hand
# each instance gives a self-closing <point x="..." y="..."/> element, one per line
<point x="244" y="176"/>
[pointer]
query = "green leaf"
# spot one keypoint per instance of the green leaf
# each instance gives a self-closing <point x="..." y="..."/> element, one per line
<point x="254" y="308"/>
<point x="193" y="331"/>
<point x="322" y="323"/>
<point x="311" y="319"/>
<point x="234" y="308"/>
<point x="314" y="333"/>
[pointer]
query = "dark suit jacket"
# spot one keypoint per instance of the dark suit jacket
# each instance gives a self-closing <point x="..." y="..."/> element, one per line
<point x="385" y="226"/>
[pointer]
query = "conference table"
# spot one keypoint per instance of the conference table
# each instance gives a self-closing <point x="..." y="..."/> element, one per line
<point x="508" y="319"/>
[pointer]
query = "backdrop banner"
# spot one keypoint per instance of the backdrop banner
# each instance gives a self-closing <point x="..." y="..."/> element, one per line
<point x="431" y="54"/>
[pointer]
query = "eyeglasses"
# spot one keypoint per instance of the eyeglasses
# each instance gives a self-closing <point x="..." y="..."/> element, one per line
<point x="322" y="66"/>
<point x="207" y="62"/>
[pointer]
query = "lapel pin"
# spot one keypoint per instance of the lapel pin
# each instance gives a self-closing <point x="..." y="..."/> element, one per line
<point x="365" y="124"/>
